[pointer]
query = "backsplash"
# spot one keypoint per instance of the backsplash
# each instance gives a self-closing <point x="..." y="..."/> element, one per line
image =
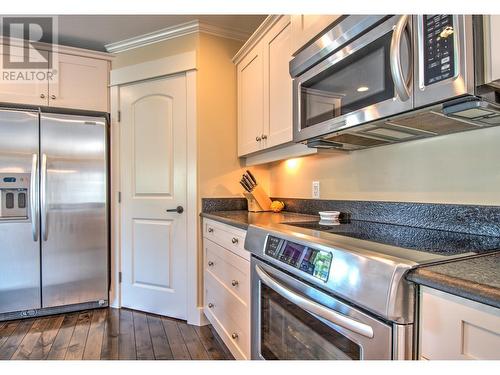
<point x="223" y="204"/>
<point x="473" y="219"/>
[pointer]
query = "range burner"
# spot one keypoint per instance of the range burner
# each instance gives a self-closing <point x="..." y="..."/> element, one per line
<point x="421" y="239"/>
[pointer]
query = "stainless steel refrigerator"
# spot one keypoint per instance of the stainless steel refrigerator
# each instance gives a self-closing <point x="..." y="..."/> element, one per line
<point x="53" y="213"/>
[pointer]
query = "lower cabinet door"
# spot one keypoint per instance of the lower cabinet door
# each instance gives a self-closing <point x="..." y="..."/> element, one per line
<point x="456" y="328"/>
<point x="229" y="316"/>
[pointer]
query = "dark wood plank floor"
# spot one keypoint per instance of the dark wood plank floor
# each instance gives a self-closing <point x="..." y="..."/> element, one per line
<point x="108" y="334"/>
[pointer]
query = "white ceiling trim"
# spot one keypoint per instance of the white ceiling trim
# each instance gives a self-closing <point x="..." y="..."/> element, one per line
<point x="176" y="31"/>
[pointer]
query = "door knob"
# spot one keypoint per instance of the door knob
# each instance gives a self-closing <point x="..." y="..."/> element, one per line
<point x="258" y="139"/>
<point x="235" y="283"/>
<point x="210" y="305"/>
<point x="210" y="263"/>
<point x="42" y="96"/>
<point x="52" y="97"/>
<point x="234" y="240"/>
<point x="234" y="335"/>
<point x="264" y="136"/>
<point x="179" y="210"/>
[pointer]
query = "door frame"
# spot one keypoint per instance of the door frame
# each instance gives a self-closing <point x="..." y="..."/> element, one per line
<point x="180" y="63"/>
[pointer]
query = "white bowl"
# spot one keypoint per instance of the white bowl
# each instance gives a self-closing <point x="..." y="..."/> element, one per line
<point x="329" y="222"/>
<point x="329" y="215"/>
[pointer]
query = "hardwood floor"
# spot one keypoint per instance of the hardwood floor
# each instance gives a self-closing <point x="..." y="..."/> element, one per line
<point x="108" y="334"/>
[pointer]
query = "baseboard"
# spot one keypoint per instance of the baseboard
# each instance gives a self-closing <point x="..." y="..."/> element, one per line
<point x="198" y="318"/>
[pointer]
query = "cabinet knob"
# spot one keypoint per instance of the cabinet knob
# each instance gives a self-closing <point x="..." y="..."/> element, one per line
<point x="234" y="240"/>
<point x="42" y="96"/>
<point x="258" y="139"/>
<point x="210" y="305"/>
<point x="264" y="136"/>
<point x="234" y="335"/>
<point x="210" y="263"/>
<point x="52" y="97"/>
<point x="210" y="230"/>
<point x="235" y="283"/>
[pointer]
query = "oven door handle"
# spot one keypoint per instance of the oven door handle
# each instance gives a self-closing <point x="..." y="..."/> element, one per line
<point x="395" y="59"/>
<point x="314" y="307"/>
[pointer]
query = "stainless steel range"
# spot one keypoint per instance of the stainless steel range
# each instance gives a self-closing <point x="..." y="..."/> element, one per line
<point x="339" y="291"/>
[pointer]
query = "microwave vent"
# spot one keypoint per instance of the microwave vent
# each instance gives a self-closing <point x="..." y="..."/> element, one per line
<point x="357" y="140"/>
<point x="433" y="123"/>
<point x="389" y="133"/>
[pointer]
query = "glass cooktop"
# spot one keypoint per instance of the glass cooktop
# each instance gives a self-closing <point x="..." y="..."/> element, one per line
<point x="421" y="239"/>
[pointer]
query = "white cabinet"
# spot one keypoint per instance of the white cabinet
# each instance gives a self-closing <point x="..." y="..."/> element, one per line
<point x="265" y="89"/>
<point x="306" y="27"/>
<point x="453" y="328"/>
<point x="82" y="83"/>
<point x="31" y="92"/>
<point x="278" y="85"/>
<point x="250" y="102"/>
<point x="227" y="285"/>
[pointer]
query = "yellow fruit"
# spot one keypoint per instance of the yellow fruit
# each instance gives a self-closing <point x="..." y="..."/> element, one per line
<point x="277" y="206"/>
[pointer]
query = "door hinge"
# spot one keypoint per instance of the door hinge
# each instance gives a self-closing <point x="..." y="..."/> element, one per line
<point x="119" y="116"/>
<point x="119" y="197"/>
<point x="119" y="277"/>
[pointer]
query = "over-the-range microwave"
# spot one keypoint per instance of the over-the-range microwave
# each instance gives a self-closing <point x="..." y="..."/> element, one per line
<point x="372" y="80"/>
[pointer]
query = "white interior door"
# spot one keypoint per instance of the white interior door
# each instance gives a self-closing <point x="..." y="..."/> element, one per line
<point x="153" y="180"/>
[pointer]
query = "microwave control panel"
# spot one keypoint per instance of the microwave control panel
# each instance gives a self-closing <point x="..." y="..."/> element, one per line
<point x="439" y="48"/>
<point x="311" y="261"/>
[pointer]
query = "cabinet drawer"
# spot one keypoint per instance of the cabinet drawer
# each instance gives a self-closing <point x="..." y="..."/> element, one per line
<point x="229" y="316"/>
<point x="456" y="328"/>
<point x="226" y="236"/>
<point x="229" y="269"/>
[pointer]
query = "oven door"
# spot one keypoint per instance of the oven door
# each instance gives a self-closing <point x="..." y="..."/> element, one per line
<point x="370" y="78"/>
<point x="292" y="320"/>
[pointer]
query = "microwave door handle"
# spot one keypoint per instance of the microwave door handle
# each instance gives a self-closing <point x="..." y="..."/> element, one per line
<point x="395" y="59"/>
<point x="33" y="197"/>
<point x="314" y="307"/>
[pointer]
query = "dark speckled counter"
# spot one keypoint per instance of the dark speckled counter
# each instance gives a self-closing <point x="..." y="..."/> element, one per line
<point x="242" y="219"/>
<point x="477" y="279"/>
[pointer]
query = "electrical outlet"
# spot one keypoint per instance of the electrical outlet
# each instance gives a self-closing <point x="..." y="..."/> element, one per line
<point x="315" y="189"/>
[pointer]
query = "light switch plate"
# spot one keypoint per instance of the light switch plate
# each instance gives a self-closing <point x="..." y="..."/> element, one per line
<point x="315" y="190"/>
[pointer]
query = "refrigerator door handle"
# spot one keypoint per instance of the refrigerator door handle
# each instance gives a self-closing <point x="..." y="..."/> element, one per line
<point x="33" y="197"/>
<point x="43" y="195"/>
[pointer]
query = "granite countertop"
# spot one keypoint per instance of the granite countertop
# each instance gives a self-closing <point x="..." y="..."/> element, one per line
<point x="477" y="279"/>
<point x="242" y="219"/>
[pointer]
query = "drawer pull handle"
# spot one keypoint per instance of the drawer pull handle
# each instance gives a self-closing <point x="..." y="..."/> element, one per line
<point x="234" y="240"/>
<point x="210" y="263"/>
<point x="210" y="305"/>
<point x="234" y="335"/>
<point x="234" y="283"/>
<point x="210" y="230"/>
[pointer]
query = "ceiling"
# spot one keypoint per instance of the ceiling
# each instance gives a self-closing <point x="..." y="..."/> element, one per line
<point x="95" y="31"/>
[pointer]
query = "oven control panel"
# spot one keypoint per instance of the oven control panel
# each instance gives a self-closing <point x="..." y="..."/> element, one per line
<point x="439" y="48"/>
<point x="311" y="261"/>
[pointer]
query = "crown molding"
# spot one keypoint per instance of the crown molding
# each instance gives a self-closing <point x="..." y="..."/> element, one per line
<point x="255" y="38"/>
<point x="175" y="31"/>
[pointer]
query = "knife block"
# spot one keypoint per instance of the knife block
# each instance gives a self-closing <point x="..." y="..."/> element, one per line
<point x="258" y="201"/>
<point x="253" y="205"/>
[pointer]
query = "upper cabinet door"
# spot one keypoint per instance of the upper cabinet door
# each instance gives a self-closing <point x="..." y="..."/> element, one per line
<point x="306" y="27"/>
<point x="82" y="83"/>
<point x="16" y="90"/>
<point x="278" y="84"/>
<point x="250" y="101"/>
